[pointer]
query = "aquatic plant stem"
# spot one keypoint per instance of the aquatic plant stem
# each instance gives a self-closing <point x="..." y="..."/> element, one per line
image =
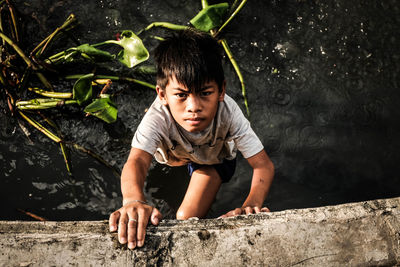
<point x="231" y="16"/>
<point x="167" y="25"/>
<point x="24" y="79"/>
<point x="50" y="94"/>
<point x="233" y="6"/>
<point x="98" y="158"/>
<point x="114" y="78"/>
<point x="27" y="60"/>
<point x="1" y="24"/>
<point x="43" y="45"/>
<point x="239" y="74"/>
<point x="14" y="20"/>
<point x="157" y="38"/>
<point x="2" y="80"/>
<point x="40" y="127"/>
<point x="43" y="103"/>
<point x="18" y="50"/>
<point x="146" y="84"/>
<point x="63" y="147"/>
<point x="64" y="152"/>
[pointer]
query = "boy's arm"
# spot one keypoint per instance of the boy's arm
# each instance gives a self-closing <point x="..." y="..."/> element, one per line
<point x="263" y="174"/>
<point x="133" y="216"/>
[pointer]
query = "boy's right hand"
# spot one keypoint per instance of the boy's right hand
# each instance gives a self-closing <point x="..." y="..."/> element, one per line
<point x="131" y="221"/>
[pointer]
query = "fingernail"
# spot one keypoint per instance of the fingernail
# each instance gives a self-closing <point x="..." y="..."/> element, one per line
<point x="122" y="240"/>
<point x="156" y="221"/>
<point x="113" y="228"/>
<point x="131" y="245"/>
<point x="140" y="243"/>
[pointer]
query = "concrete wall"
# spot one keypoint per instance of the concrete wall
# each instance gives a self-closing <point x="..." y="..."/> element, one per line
<point x="365" y="233"/>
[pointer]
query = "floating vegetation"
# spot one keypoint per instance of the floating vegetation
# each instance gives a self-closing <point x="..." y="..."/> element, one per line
<point x="89" y="91"/>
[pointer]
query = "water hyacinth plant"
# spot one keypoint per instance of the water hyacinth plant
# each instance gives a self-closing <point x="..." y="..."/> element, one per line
<point x="132" y="52"/>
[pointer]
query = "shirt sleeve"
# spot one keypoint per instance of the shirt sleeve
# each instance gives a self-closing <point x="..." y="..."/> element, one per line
<point x="148" y="134"/>
<point x="243" y="135"/>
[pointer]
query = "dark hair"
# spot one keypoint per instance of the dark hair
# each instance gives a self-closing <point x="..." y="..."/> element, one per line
<point x="193" y="57"/>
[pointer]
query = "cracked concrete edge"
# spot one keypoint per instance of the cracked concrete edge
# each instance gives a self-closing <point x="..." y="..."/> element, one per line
<point x="364" y="233"/>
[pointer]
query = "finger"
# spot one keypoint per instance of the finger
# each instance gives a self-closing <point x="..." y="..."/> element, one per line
<point x="141" y="228"/>
<point x="237" y="211"/>
<point x="156" y="216"/>
<point x="122" y="228"/>
<point x="226" y="215"/>
<point x="229" y="214"/>
<point x="257" y="210"/>
<point x="132" y="226"/>
<point x="112" y="221"/>
<point x="265" y="209"/>
<point x="248" y="210"/>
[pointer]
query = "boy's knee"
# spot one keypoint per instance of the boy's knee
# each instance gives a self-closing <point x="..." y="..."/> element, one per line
<point x="181" y="215"/>
<point x="184" y="214"/>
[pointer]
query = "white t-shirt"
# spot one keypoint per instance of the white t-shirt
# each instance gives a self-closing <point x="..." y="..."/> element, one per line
<point x="159" y="135"/>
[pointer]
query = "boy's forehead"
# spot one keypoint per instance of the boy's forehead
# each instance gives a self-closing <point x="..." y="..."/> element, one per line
<point x="173" y="83"/>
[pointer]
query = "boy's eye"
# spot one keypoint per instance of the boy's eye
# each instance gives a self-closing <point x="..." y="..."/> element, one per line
<point x="206" y="93"/>
<point x="181" y="95"/>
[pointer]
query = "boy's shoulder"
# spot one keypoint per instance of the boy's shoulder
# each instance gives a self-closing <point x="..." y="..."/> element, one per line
<point x="230" y="103"/>
<point x="157" y="116"/>
<point x="157" y="109"/>
<point x="230" y="110"/>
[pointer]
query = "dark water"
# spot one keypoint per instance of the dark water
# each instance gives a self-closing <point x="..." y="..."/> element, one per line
<point x="323" y="87"/>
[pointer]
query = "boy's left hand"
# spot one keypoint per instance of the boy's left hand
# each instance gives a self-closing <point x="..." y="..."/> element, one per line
<point x="244" y="210"/>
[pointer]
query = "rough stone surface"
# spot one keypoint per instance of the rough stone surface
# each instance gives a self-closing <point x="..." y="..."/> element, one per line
<point x="365" y="233"/>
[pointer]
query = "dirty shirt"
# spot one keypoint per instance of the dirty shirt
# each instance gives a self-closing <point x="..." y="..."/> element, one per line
<point x="159" y="135"/>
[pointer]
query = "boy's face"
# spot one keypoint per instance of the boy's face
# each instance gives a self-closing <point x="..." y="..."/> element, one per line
<point x="192" y="111"/>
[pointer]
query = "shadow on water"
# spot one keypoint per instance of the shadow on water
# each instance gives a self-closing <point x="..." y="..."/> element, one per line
<point x="323" y="90"/>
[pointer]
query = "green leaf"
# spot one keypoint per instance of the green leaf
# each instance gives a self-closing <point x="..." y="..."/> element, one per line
<point x="94" y="52"/>
<point x="134" y="51"/>
<point x="103" y="108"/>
<point x="82" y="90"/>
<point x="210" y="17"/>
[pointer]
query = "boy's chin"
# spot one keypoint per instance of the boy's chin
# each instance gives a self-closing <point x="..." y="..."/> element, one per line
<point x="193" y="128"/>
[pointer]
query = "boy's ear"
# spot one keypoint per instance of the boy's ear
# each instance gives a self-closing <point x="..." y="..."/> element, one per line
<point x="222" y="92"/>
<point x="162" y="95"/>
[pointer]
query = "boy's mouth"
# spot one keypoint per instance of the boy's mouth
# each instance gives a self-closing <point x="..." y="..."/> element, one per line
<point x="194" y="121"/>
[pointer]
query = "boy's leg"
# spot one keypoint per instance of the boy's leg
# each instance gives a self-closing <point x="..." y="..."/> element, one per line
<point x="203" y="187"/>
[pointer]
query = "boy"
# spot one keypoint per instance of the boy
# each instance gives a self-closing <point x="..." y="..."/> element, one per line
<point x="192" y="122"/>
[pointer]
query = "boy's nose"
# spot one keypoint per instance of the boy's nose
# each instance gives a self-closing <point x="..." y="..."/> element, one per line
<point x="193" y="104"/>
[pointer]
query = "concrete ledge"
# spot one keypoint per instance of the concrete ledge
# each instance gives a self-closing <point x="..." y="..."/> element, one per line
<point x="365" y="233"/>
